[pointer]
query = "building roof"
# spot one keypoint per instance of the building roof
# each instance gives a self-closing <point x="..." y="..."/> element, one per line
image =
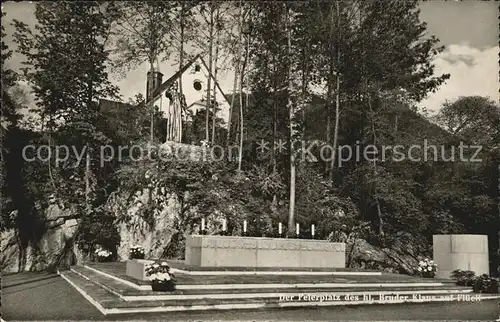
<point x="166" y="84"/>
<point x="108" y="106"/>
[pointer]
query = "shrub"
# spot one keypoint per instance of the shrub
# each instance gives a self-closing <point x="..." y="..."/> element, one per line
<point x="485" y="284"/>
<point x="463" y="278"/>
<point x="97" y="228"/>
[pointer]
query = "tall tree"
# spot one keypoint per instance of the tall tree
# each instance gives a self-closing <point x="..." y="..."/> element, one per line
<point x="145" y="35"/>
<point x="291" y="110"/>
<point x="66" y="57"/>
<point x="208" y="11"/>
<point x="9" y="78"/>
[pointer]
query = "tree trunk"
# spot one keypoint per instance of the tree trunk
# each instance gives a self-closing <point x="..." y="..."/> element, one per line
<point x="329" y="96"/>
<point x="181" y="64"/>
<point x="241" y="70"/>
<point x="275" y="118"/>
<point x="291" y="209"/>
<point x="209" y="81"/>
<point x="375" y="172"/>
<point x="214" y="108"/>
<point x="231" y="107"/>
<point x="87" y="182"/>
<point x="151" y="106"/>
<point x="337" y="94"/>
<point x="240" y="150"/>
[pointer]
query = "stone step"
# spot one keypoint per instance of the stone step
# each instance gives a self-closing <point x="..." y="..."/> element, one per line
<point x="118" y="270"/>
<point x="99" y="297"/>
<point x="128" y="292"/>
<point x="346" y="298"/>
<point x="109" y="303"/>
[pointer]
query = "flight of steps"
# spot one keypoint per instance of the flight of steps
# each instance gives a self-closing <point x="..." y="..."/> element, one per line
<point x="112" y="293"/>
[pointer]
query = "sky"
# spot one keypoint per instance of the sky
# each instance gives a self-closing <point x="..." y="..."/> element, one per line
<point x="467" y="29"/>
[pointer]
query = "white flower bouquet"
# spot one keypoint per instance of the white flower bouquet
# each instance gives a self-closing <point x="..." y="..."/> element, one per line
<point x="205" y="143"/>
<point x="427" y="268"/>
<point x="160" y="277"/>
<point x="103" y="255"/>
<point x="137" y="252"/>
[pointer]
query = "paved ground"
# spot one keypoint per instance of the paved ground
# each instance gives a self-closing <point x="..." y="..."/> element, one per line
<point x="35" y="296"/>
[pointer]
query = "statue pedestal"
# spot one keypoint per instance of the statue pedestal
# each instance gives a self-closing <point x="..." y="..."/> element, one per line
<point x="136" y="268"/>
<point x="465" y="252"/>
<point x="235" y="251"/>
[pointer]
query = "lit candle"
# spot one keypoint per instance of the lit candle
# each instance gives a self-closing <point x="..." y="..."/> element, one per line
<point x="244" y="226"/>
<point x="312" y="229"/>
<point x="297" y="228"/>
<point x="280" y="228"/>
<point x="224" y="225"/>
<point x="202" y="223"/>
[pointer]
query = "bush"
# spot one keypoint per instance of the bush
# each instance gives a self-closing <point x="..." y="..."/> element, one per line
<point x="97" y="228"/>
<point x="463" y="278"/>
<point x="485" y="284"/>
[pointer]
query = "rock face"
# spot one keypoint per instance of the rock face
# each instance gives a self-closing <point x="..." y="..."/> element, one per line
<point x="54" y="249"/>
<point x="360" y="254"/>
<point x="9" y="256"/>
<point x="153" y="234"/>
<point x="154" y="220"/>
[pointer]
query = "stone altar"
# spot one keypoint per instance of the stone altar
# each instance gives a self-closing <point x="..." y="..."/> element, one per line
<point x="465" y="252"/>
<point x="235" y="251"/>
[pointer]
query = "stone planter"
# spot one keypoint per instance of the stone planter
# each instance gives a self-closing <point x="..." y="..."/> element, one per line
<point x="101" y="259"/>
<point x="159" y="286"/>
<point x="136" y="268"/>
<point x="136" y="256"/>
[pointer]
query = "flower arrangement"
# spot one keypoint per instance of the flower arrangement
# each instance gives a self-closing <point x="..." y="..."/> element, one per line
<point x="205" y="143"/>
<point x="137" y="252"/>
<point x="160" y="277"/>
<point x="463" y="278"/>
<point x="480" y="284"/>
<point x="486" y="284"/>
<point x="103" y="255"/>
<point x="427" y="268"/>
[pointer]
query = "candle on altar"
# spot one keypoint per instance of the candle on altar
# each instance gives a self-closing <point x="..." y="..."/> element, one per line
<point x="280" y="228"/>
<point x="202" y="223"/>
<point x="312" y="229"/>
<point x="224" y="225"/>
<point x="297" y="228"/>
<point x="244" y="226"/>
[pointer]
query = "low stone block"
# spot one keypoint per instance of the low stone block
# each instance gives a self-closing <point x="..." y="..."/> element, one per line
<point x="461" y="251"/>
<point x="136" y="268"/>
